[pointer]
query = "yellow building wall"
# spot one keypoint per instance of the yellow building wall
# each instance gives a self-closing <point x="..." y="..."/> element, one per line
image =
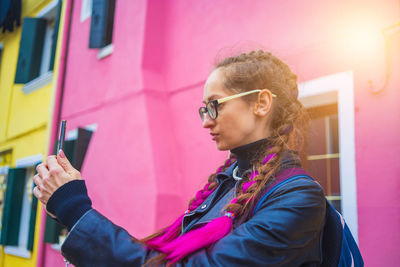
<point x="7" y="73"/>
<point x="22" y="147"/>
<point x="25" y="119"/>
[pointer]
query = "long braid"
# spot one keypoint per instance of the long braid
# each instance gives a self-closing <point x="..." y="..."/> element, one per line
<point x="254" y="70"/>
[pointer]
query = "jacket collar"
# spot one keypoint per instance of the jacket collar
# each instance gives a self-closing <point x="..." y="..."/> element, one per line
<point x="227" y="173"/>
<point x="290" y="159"/>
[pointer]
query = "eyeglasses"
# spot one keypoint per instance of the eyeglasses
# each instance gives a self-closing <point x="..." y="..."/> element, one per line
<point x="212" y="106"/>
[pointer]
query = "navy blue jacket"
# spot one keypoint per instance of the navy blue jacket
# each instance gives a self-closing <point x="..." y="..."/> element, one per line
<point x="285" y="231"/>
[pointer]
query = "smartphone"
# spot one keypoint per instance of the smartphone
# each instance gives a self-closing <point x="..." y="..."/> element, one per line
<point x="62" y="135"/>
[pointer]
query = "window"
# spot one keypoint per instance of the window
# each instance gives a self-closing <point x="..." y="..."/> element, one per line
<point x="38" y="45"/>
<point x="101" y="26"/>
<point x="322" y="146"/>
<point x="337" y="89"/>
<point x="5" y="162"/>
<point x="19" y="208"/>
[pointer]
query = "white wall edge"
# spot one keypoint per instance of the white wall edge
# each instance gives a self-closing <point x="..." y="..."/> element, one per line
<point x="4" y="170"/>
<point x="56" y="247"/>
<point x="343" y="83"/>
<point x="47" y="9"/>
<point x="105" y="51"/>
<point x="17" y="251"/>
<point x="73" y="134"/>
<point x="29" y="161"/>
<point x="86" y="9"/>
<point x="38" y="82"/>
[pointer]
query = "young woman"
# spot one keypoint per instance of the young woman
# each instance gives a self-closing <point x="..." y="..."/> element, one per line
<point x="251" y="108"/>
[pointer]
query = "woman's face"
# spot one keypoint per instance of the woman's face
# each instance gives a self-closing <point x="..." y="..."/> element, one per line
<point x="236" y="123"/>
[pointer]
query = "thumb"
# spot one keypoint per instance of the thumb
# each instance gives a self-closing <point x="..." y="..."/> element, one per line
<point x="64" y="162"/>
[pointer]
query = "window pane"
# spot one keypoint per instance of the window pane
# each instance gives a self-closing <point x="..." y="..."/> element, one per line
<point x="316" y="142"/>
<point x="322" y="148"/>
<point x="317" y="169"/>
<point x="334" y="134"/>
<point x="335" y="177"/>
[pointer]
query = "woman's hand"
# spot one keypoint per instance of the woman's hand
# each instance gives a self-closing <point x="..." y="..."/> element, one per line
<point x="51" y="175"/>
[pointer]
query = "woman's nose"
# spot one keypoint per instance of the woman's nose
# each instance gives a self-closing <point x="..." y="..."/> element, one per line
<point x="208" y="122"/>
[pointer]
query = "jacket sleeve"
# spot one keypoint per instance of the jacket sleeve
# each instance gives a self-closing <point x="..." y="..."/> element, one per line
<point x="285" y="231"/>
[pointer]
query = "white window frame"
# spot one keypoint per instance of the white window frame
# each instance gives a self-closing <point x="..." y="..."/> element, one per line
<point x="73" y="134"/>
<point x="45" y="77"/>
<point x="3" y="171"/>
<point x="21" y="250"/>
<point x="343" y="84"/>
<point x="86" y="10"/>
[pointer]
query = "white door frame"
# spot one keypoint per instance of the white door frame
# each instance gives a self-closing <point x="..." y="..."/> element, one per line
<point x="343" y="84"/>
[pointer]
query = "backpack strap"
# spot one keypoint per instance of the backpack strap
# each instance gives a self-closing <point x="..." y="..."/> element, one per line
<point x="283" y="177"/>
<point x="338" y="245"/>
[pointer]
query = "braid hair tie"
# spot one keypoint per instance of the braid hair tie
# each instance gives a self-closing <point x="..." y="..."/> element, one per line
<point x="230" y="215"/>
<point x="268" y="158"/>
<point x="253" y="174"/>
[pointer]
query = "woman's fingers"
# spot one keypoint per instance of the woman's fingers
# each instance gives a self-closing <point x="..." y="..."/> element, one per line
<point x="42" y="170"/>
<point x="65" y="164"/>
<point x="44" y="184"/>
<point x="43" y="196"/>
<point x="52" y="175"/>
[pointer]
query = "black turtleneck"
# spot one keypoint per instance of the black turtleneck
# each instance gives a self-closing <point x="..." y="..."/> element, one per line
<point x="247" y="153"/>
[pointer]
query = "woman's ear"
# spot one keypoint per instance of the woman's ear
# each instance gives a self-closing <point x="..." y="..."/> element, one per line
<point x="264" y="103"/>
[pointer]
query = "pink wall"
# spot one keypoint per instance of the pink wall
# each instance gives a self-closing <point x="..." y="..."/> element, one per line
<point x="149" y="154"/>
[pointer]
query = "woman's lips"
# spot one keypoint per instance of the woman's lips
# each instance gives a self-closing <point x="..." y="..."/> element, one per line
<point x="214" y="136"/>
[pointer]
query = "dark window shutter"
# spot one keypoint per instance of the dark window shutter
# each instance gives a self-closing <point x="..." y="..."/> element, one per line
<point x="102" y="23"/>
<point x="30" y="49"/>
<point x="82" y="145"/>
<point x="32" y="223"/>
<point x="69" y="150"/>
<point x="55" y="36"/>
<point x="52" y="230"/>
<point x="12" y="206"/>
<point x="32" y="218"/>
<point x="75" y="150"/>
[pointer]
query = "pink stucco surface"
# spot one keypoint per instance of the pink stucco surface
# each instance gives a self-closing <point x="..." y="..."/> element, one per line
<point x="150" y="154"/>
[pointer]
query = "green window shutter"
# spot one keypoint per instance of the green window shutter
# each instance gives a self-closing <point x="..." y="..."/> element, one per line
<point x="12" y="206"/>
<point x="55" y="36"/>
<point x="32" y="218"/>
<point x="52" y="230"/>
<point x="32" y="223"/>
<point x="30" y="49"/>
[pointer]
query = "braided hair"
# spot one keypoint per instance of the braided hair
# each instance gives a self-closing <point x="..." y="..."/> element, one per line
<point x="245" y="72"/>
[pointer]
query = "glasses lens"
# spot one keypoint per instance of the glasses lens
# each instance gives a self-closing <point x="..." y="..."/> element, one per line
<point x="212" y="109"/>
<point x="202" y="111"/>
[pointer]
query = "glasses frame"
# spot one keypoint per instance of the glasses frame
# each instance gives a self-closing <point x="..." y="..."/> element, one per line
<point x="214" y="103"/>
